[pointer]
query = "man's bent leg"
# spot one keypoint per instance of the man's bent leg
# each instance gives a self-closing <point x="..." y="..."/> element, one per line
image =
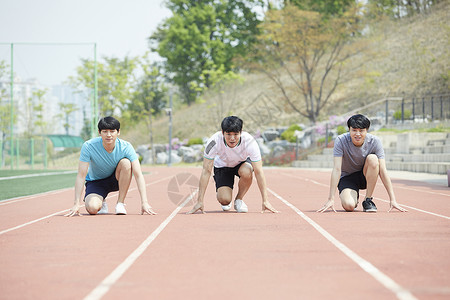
<point x="371" y="171"/>
<point x="93" y="203"/>
<point x="224" y="195"/>
<point x="349" y="199"/>
<point x="123" y="175"/>
<point x="245" y="179"/>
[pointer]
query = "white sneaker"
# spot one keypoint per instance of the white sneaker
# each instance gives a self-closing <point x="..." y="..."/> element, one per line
<point x="240" y="206"/>
<point x="104" y="209"/>
<point x="120" y="209"/>
<point x="226" y="207"/>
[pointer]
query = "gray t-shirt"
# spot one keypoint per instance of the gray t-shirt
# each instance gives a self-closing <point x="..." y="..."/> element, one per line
<point x="353" y="158"/>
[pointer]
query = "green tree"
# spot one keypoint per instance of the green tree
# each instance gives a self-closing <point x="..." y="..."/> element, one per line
<point x="5" y="105"/>
<point x="304" y="55"/>
<point x="67" y="109"/>
<point x="203" y="36"/>
<point x="324" y="7"/>
<point x="149" y="98"/>
<point x="38" y="118"/>
<point x="116" y="79"/>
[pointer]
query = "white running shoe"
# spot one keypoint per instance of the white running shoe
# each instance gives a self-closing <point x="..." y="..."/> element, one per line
<point x="104" y="209"/>
<point x="120" y="209"/>
<point x="240" y="206"/>
<point x="226" y="207"/>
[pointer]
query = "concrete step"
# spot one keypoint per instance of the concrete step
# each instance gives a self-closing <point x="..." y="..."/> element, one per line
<point x="312" y="164"/>
<point x="437" y="157"/>
<point x="424" y="167"/>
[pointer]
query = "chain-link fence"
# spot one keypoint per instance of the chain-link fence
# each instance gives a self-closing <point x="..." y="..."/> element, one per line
<point x="38" y="153"/>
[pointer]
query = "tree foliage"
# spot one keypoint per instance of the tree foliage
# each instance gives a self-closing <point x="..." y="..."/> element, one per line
<point x="203" y="36"/>
<point x="304" y="55"/>
<point x="116" y="79"/>
<point x="5" y="105"/>
<point x="324" y="7"/>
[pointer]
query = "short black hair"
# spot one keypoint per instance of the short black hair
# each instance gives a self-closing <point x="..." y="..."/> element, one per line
<point x="232" y="124"/>
<point x="109" y="122"/>
<point x="358" y="121"/>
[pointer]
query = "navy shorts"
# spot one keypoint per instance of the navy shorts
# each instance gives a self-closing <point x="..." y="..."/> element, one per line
<point x="225" y="176"/>
<point x="102" y="187"/>
<point x="355" y="181"/>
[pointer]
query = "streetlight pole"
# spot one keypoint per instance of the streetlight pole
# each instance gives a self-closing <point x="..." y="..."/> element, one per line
<point x="169" y="111"/>
<point x="11" y="145"/>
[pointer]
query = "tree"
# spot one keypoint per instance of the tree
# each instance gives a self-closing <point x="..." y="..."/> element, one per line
<point x="38" y="110"/>
<point x="324" y="7"/>
<point x="5" y="105"/>
<point x="116" y="79"/>
<point x="304" y="55"/>
<point x="149" y="97"/>
<point x="67" y="110"/>
<point x="202" y="36"/>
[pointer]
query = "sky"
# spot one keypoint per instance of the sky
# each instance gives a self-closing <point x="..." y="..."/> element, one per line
<point x="118" y="27"/>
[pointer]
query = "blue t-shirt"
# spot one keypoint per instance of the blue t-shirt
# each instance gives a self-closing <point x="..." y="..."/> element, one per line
<point x="101" y="163"/>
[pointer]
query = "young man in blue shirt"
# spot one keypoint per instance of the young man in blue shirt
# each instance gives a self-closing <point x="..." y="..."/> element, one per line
<point x="107" y="164"/>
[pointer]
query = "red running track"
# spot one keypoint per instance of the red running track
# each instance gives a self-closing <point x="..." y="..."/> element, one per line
<point x="297" y="254"/>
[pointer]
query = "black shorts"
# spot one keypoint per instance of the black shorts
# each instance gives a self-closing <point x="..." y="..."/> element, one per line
<point x="102" y="187"/>
<point x="225" y="176"/>
<point x="355" y="181"/>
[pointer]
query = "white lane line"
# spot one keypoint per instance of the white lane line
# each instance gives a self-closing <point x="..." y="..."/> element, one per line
<point x="417" y="209"/>
<point x="32" y="222"/>
<point x="416" y="190"/>
<point x="387" y="201"/>
<point x="386" y="281"/>
<point x="23" y="198"/>
<point x="36" y="175"/>
<point x="66" y="210"/>
<point x="115" y="275"/>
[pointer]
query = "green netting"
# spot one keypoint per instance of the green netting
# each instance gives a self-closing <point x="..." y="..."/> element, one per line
<point x="65" y="141"/>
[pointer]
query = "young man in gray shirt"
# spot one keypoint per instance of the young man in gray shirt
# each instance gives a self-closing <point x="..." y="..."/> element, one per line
<point x="358" y="161"/>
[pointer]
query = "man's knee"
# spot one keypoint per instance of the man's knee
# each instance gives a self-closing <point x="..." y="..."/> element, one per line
<point x="372" y="161"/>
<point x="124" y="164"/>
<point x="123" y="168"/>
<point x="224" y="196"/>
<point x="246" y="171"/>
<point x="93" y="204"/>
<point x="349" y="199"/>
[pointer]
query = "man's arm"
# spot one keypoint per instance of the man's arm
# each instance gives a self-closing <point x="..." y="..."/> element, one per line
<point x="202" y="185"/>
<point x="388" y="185"/>
<point x="334" y="181"/>
<point x="261" y="180"/>
<point x="79" y="186"/>
<point x="140" y="181"/>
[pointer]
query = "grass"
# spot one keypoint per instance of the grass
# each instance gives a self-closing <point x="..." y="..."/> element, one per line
<point x="18" y="187"/>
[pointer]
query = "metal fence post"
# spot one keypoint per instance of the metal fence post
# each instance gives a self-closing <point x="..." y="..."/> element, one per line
<point x="387" y="112"/>
<point x="403" y="110"/>
<point x="32" y="153"/>
<point x="45" y="153"/>
<point x="17" y="153"/>
<point x="423" y="108"/>
<point x="432" y="109"/>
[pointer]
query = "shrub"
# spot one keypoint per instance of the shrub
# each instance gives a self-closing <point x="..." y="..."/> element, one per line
<point x="398" y="114"/>
<point x="341" y="129"/>
<point x="195" y="141"/>
<point x="289" y="134"/>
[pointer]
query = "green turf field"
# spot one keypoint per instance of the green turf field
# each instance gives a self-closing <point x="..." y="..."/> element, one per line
<point x="44" y="182"/>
